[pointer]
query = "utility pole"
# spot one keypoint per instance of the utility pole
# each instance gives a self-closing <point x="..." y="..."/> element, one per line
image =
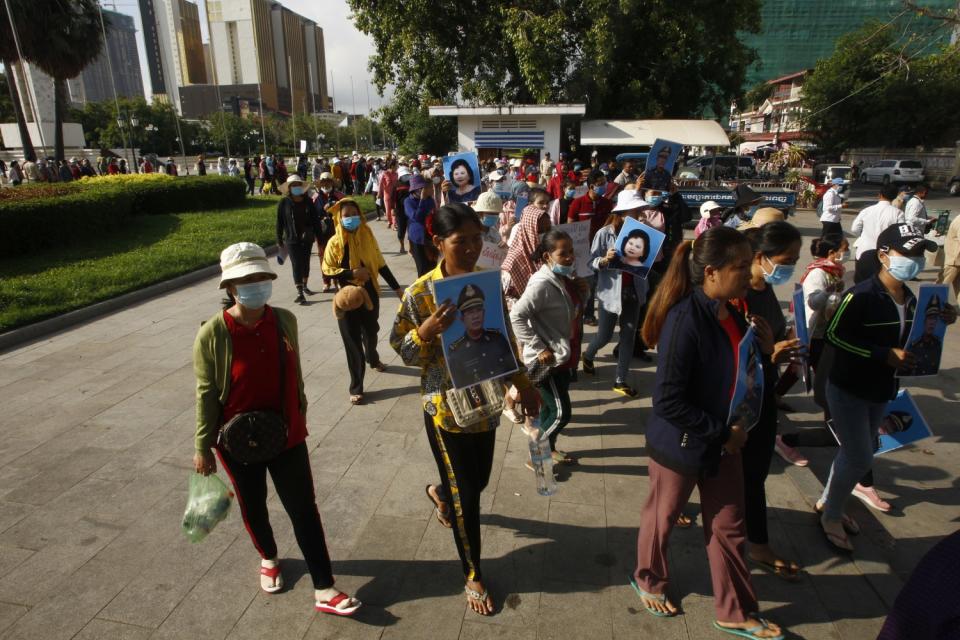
<point x="216" y="84"/>
<point x="313" y="100"/>
<point x="113" y="84"/>
<point x="293" y="111"/>
<point x="369" y="115"/>
<point x="353" y="107"/>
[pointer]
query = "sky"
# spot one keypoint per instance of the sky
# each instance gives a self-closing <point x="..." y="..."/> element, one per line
<point x="347" y="49"/>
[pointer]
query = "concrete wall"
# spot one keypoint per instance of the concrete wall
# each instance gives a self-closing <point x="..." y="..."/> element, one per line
<point x="467" y="126"/>
<point x="938" y="164"/>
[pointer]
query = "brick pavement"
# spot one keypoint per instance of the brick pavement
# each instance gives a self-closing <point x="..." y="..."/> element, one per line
<point x="97" y="430"/>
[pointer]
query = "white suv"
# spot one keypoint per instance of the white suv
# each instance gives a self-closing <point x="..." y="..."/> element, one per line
<point x="897" y="171"/>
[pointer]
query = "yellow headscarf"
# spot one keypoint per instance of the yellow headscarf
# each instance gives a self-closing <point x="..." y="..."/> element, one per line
<point x="364" y="250"/>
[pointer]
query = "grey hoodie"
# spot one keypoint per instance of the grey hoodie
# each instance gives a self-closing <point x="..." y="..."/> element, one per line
<point x="543" y="317"/>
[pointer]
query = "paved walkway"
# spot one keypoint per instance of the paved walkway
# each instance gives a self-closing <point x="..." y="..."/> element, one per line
<point x="97" y="427"/>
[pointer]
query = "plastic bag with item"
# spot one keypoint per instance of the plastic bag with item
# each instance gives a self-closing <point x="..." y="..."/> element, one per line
<point x="208" y="503"/>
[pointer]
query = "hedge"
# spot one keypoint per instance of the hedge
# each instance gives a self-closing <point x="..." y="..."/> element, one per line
<point x="98" y="204"/>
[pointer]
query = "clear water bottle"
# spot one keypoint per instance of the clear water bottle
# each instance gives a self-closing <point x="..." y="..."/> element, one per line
<point x="542" y="460"/>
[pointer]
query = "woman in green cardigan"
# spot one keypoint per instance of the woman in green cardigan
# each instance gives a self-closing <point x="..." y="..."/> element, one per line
<point x="237" y="359"/>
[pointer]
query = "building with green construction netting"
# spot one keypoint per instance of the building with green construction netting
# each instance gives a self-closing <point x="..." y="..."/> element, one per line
<point x="796" y="33"/>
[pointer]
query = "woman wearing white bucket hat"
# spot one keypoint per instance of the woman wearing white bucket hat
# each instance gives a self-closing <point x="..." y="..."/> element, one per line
<point x="246" y="359"/>
<point x="298" y="225"/>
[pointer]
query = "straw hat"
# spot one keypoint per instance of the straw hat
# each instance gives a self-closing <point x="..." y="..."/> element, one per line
<point x="762" y="217"/>
<point x="488" y="202"/>
<point x="241" y="260"/>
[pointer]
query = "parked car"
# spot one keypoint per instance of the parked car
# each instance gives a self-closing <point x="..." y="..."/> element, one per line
<point x="954" y="186"/>
<point x="824" y="173"/>
<point x="887" y="171"/>
<point x="727" y="166"/>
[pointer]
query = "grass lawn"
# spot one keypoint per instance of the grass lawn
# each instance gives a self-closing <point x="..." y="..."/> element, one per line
<point x="144" y="251"/>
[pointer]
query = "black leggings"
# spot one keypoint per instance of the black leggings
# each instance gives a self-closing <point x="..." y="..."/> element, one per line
<point x="359" y="329"/>
<point x="831" y="228"/>
<point x="419" y="253"/>
<point x="464" y="461"/>
<point x="293" y="481"/>
<point x="756" y="455"/>
<point x="401" y="226"/>
<point x="250" y="183"/>
<point x="300" y="261"/>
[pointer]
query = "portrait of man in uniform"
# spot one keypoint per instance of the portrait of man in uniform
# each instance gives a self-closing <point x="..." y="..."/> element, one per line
<point x="928" y="347"/>
<point x="925" y="341"/>
<point x="658" y="172"/>
<point x="478" y="348"/>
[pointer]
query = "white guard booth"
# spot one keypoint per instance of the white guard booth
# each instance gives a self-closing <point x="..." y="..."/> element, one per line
<point x="637" y="133"/>
<point x="509" y="126"/>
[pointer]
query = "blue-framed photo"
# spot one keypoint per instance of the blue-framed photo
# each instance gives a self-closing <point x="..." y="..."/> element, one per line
<point x="477" y="345"/>
<point x="747" y="400"/>
<point x="463" y="172"/>
<point x="638" y="246"/>
<point x="660" y="162"/>
<point x="925" y="341"/>
<point x="902" y="424"/>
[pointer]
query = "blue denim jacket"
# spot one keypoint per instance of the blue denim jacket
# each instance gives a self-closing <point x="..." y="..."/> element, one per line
<point x="608" y="280"/>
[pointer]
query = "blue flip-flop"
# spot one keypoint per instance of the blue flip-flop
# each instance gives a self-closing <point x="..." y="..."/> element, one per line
<point x="749" y="633"/>
<point x="662" y="599"/>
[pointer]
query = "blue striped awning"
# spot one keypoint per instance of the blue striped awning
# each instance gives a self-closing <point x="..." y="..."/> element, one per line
<point x="508" y="139"/>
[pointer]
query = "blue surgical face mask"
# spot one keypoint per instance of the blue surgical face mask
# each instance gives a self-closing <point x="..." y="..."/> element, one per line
<point x="562" y="269"/>
<point x="600" y="190"/>
<point x="296" y="191"/>
<point x="655" y="201"/>
<point x="781" y="273"/>
<point x="350" y="223"/>
<point x="570" y="193"/>
<point x="905" y="269"/>
<point x="254" y="295"/>
<point x="490" y="219"/>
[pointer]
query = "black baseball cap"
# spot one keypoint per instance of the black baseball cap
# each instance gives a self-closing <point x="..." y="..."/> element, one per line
<point x="905" y="240"/>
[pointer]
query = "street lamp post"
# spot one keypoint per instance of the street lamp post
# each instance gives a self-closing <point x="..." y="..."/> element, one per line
<point x="132" y="123"/>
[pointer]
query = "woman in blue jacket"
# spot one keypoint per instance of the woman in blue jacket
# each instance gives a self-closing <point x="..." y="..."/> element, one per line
<point x="689" y="440"/>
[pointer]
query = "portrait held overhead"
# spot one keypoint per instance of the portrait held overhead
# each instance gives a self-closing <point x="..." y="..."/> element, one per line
<point x="439" y="319"/>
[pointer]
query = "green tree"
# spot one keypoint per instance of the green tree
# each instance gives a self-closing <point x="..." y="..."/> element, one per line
<point x="407" y="120"/>
<point x="626" y="58"/>
<point x="26" y="19"/>
<point x="73" y="39"/>
<point x="874" y="92"/>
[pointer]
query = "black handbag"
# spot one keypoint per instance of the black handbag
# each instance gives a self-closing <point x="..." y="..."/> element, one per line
<point x="259" y="436"/>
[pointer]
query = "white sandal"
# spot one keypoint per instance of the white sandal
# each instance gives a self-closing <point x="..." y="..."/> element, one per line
<point x="271" y="580"/>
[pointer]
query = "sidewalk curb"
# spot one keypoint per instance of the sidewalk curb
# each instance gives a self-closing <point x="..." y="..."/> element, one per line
<point x="37" y="330"/>
<point x="29" y="333"/>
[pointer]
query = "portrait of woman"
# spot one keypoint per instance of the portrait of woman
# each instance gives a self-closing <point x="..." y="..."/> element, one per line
<point x="637" y="247"/>
<point x="462" y="182"/>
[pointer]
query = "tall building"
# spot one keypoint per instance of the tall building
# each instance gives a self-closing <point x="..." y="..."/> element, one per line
<point x="171" y="31"/>
<point x="262" y="49"/>
<point x="121" y="46"/>
<point x="794" y="35"/>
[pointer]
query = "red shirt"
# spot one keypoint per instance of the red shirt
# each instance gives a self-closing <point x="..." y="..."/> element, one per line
<point x="255" y="374"/>
<point x="583" y="208"/>
<point x="733" y="333"/>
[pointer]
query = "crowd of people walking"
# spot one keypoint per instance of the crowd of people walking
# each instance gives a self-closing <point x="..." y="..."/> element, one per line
<point x="707" y="289"/>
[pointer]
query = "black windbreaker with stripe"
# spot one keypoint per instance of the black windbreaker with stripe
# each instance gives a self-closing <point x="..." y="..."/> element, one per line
<point x="863" y="330"/>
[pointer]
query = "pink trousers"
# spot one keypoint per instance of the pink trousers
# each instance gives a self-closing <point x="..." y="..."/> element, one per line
<point x="724" y="531"/>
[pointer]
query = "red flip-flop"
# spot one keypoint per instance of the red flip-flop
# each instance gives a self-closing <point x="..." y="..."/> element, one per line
<point x="274" y="574"/>
<point x="330" y="606"/>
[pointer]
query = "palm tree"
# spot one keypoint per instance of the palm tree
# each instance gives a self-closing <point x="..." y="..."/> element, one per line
<point x="24" y="13"/>
<point x="72" y="40"/>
